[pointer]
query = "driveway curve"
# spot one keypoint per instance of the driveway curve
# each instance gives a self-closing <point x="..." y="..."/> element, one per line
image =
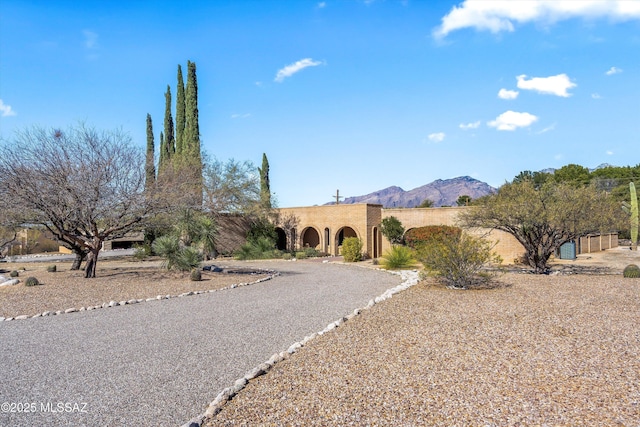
<point x="160" y="363"/>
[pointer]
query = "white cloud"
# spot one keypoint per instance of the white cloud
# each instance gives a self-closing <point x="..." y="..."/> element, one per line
<point x="241" y="116"/>
<point x="6" y="110"/>
<point x="508" y="94"/>
<point x="613" y="70"/>
<point x="502" y="15"/>
<point x="322" y="5"/>
<point x="291" y="69"/>
<point x="467" y="126"/>
<point x="90" y="39"/>
<point x="609" y="153"/>
<point x="436" y="137"/>
<point x="596" y="96"/>
<point x="511" y="120"/>
<point x="552" y="85"/>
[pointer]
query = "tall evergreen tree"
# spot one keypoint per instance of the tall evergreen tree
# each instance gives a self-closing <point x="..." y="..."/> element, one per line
<point x="150" y="167"/>
<point x="265" y="187"/>
<point x="191" y="136"/>
<point x="168" y="125"/>
<point x="163" y="154"/>
<point x="180" y="112"/>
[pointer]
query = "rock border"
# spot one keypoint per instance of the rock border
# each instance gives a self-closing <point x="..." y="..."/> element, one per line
<point x="409" y="279"/>
<point x="271" y="275"/>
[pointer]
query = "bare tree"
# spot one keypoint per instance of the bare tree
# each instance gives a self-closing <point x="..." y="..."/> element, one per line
<point x="83" y="185"/>
<point x="288" y="223"/>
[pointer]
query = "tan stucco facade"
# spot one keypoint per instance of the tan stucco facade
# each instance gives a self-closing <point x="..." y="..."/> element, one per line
<point x="324" y="227"/>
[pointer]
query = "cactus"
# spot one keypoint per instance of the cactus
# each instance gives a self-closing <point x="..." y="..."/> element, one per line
<point x="631" y="270"/>
<point x="634" y="216"/>
<point x="31" y="281"/>
<point x="14" y="273"/>
<point x="196" y="275"/>
<point x="52" y="268"/>
<point x="632" y="210"/>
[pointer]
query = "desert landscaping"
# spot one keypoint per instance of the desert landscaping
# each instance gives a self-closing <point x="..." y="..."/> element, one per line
<point x="560" y="349"/>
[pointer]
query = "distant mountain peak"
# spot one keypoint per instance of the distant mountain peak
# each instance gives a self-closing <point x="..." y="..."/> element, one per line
<point x="442" y="192"/>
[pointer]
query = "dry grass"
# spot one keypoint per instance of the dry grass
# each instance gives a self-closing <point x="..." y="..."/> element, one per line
<point x="116" y="280"/>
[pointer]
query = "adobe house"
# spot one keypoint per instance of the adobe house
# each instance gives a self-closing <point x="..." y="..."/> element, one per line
<point x="325" y="227"/>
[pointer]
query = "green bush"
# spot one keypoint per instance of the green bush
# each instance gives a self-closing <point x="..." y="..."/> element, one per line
<point x="301" y="255"/>
<point x="31" y="281"/>
<point x="187" y="259"/>
<point x="260" y="248"/>
<point x="52" y="268"/>
<point x="14" y="273"/>
<point x="398" y="257"/>
<point x="183" y="259"/>
<point x="631" y="271"/>
<point x="431" y="233"/>
<point x="196" y="275"/>
<point x="458" y="262"/>
<point x="142" y="252"/>
<point x="352" y="249"/>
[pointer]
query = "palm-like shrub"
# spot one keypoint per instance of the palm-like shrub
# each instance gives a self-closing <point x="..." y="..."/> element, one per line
<point x="259" y="248"/>
<point x="183" y="259"/>
<point x="398" y="257"/>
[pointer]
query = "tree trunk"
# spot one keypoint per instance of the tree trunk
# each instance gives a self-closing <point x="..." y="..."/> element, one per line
<point x="92" y="261"/>
<point x="77" y="262"/>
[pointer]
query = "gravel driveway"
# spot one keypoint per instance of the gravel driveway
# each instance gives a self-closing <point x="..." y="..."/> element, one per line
<point x="160" y="363"/>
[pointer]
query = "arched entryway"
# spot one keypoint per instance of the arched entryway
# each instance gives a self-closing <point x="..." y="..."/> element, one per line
<point x="310" y="238"/>
<point x="342" y="234"/>
<point x="376" y="242"/>
<point x="281" y="239"/>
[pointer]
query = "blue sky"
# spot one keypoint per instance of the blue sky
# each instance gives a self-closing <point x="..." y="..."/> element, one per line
<point x="350" y="95"/>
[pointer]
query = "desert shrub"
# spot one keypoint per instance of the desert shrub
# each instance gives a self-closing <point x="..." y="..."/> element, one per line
<point x="14" y="273"/>
<point x="431" y="233"/>
<point x="260" y="248"/>
<point x="301" y="255"/>
<point x="458" y="262"/>
<point x="196" y="275"/>
<point x="142" y="252"/>
<point x="52" y="268"/>
<point x="183" y="259"/>
<point x="352" y="249"/>
<point x="287" y="256"/>
<point x="398" y="257"/>
<point x="631" y="271"/>
<point x="187" y="259"/>
<point x="31" y="281"/>
<point x="312" y="252"/>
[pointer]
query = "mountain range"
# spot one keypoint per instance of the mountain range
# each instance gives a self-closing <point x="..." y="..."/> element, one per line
<point x="442" y="192"/>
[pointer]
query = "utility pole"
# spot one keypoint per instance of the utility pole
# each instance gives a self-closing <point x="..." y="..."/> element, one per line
<point x="338" y="197"/>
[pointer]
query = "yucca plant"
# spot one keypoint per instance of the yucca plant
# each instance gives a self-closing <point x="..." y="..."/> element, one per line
<point x="631" y="271"/>
<point x="398" y="257"/>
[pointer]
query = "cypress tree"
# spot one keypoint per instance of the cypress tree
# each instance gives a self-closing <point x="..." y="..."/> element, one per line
<point x="265" y="187"/>
<point x="180" y="113"/>
<point x="150" y="167"/>
<point x="191" y="136"/>
<point x="168" y="125"/>
<point x="163" y="154"/>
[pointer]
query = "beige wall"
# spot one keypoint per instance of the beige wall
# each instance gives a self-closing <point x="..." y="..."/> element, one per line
<point x="507" y="246"/>
<point x="325" y="224"/>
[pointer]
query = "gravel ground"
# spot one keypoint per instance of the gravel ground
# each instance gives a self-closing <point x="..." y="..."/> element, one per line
<point x="545" y="350"/>
<point x="161" y="363"/>
<point x="115" y="281"/>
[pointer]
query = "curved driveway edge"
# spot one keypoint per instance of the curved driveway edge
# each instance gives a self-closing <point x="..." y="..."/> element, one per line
<point x="409" y="279"/>
<point x="158" y="364"/>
